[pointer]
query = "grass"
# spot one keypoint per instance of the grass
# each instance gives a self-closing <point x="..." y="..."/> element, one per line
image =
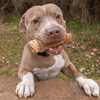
<point x="12" y="44"/>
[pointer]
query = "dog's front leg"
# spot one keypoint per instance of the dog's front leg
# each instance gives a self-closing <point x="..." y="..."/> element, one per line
<point x="89" y="85"/>
<point x="26" y="87"/>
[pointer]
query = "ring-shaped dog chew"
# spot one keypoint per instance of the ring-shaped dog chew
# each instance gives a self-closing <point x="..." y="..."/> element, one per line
<point x="39" y="46"/>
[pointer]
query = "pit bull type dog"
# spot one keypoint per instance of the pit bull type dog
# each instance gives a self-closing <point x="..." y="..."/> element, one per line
<point x="46" y="23"/>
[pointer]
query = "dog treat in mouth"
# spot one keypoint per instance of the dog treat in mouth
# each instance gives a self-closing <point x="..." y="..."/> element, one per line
<point x="39" y="46"/>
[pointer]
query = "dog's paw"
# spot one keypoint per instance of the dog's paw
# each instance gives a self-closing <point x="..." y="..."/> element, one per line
<point x="89" y="85"/>
<point x="26" y="87"/>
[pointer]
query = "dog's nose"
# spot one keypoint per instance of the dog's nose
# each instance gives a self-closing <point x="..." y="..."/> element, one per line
<point x="54" y="32"/>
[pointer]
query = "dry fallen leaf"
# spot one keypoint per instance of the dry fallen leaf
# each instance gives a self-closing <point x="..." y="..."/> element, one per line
<point x="85" y="73"/>
<point x="91" y="72"/>
<point x="16" y="63"/>
<point x="83" y="33"/>
<point x="75" y="59"/>
<point x="98" y="71"/>
<point x="73" y="47"/>
<point x="7" y="62"/>
<point x="3" y="58"/>
<point x="97" y="60"/>
<point x="97" y="65"/>
<point x="82" y="69"/>
<point x="92" y="54"/>
<point x="94" y="49"/>
<point x="87" y="55"/>
<point x="92" y="68"/>
<point x="84" y="47"/>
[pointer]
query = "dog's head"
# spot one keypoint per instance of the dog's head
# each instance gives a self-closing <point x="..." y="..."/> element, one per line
<point x="45" y="23"/>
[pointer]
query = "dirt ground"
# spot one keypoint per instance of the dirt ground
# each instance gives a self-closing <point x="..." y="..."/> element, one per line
<point x="53" y="89"/>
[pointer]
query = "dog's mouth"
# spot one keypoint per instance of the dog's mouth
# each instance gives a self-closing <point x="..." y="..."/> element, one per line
<point x="55" y="50"/>
<point x="52" y="48"/>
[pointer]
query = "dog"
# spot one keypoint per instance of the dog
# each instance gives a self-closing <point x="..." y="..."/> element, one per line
<point x="46" y="23"/>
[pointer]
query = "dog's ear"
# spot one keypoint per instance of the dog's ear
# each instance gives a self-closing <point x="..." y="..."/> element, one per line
<point x="22" y="24"/>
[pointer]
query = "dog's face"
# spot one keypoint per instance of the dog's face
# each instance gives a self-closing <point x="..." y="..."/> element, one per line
<point x="45" y="23"/>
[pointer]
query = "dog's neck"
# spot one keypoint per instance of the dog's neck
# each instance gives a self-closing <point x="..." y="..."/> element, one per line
<point x="40" y="53"/>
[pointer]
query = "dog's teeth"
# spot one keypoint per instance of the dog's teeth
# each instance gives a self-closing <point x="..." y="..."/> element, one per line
<point x="60" y="46"/>
<point x="50" y="49"/>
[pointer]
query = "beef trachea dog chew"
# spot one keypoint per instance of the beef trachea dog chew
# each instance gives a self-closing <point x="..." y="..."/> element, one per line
<point x="39" y="46"/>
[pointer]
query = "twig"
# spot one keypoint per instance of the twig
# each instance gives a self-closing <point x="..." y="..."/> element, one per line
<point x="2" y="8"/>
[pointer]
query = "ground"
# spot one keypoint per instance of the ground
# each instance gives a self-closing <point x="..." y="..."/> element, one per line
<point x="53" y="89"/>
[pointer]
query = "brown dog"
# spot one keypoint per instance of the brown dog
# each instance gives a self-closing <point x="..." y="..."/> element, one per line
<point x="46" y="23"/>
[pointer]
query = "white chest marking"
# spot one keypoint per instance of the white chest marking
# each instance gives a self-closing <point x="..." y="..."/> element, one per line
<point x="51" y="72"/>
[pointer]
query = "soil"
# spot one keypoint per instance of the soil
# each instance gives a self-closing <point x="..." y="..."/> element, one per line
<point x="53" y="89"/>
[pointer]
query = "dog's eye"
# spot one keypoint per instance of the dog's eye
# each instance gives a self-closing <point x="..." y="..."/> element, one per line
<point x="35" y="21"/>
<point x="58" y="16"/>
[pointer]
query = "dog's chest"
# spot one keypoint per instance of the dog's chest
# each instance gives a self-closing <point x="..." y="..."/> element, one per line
<point x="51" y="72"/>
